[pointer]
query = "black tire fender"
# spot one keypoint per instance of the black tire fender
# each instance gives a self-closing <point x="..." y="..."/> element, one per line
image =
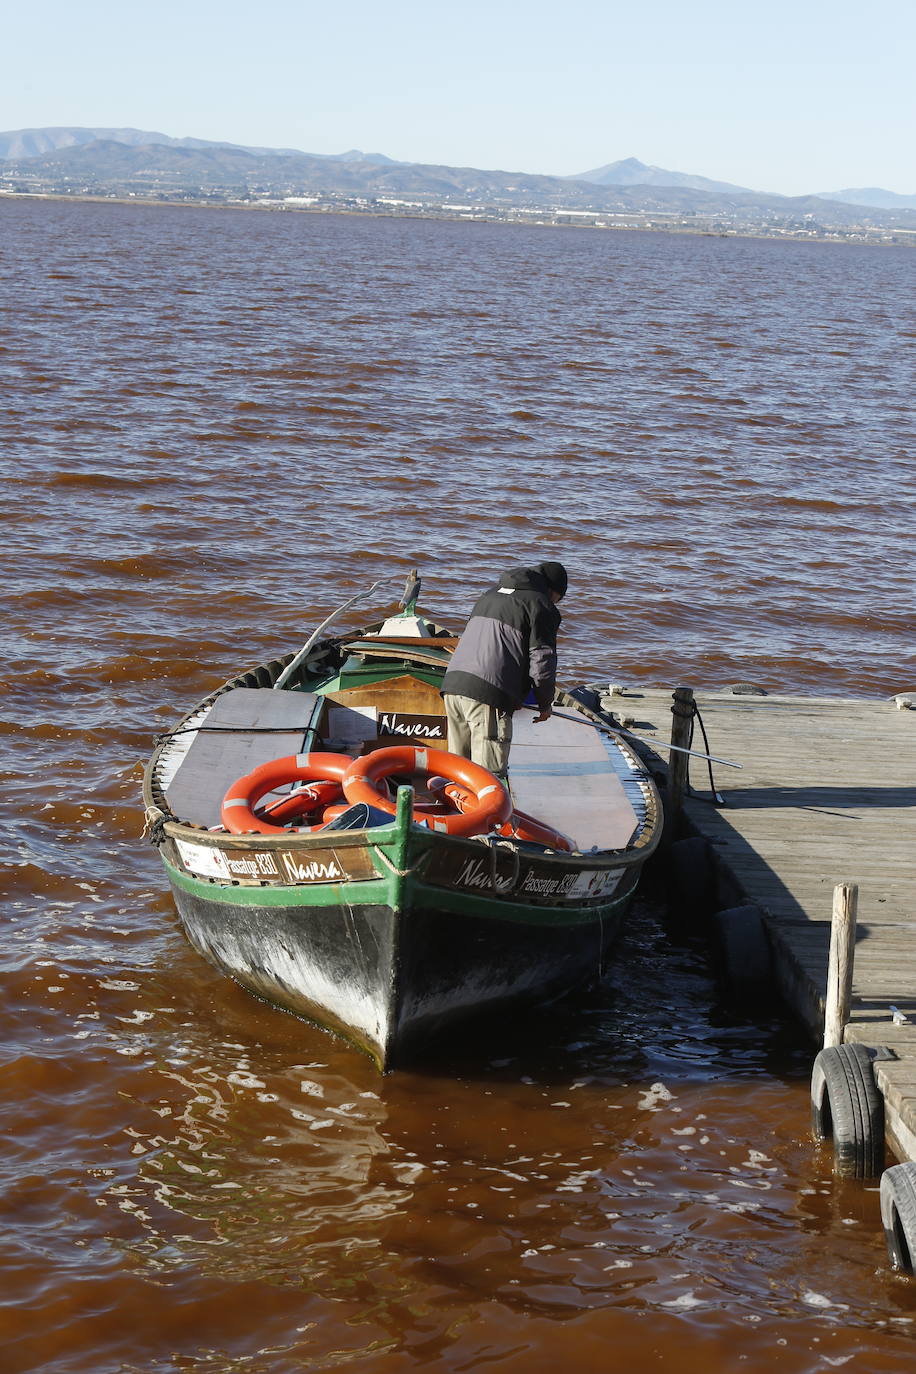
<point x="898" y="1215"/>
<point x="740" y="941"/>
<point x="691" y="877"/>
<point x="847" y="1107"/>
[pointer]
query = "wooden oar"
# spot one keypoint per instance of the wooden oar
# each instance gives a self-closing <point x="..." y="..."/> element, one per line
<point x="676" y="748"/>
<point x="303" y="652"/>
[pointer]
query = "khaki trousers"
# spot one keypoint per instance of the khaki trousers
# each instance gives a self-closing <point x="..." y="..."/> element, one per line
<point x="479" y="732"/>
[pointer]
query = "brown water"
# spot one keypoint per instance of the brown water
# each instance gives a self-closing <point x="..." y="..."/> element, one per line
<point x="217" y="426"/>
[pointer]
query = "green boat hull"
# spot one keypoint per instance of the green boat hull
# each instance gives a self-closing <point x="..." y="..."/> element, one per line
<point x="441" y="933"/>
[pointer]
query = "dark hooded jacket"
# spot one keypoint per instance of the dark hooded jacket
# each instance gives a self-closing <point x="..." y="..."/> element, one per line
<point x="509" y="645"/>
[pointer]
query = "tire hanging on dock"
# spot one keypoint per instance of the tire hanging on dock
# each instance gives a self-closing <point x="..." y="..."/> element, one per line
<point x="847" y="1107"/>
<point x="898" y="1215"/>
<point x="742" y="953"/>
<point x="690" y="878"/>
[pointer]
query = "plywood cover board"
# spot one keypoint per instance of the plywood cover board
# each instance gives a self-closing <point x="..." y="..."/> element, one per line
<point x="560" y="772"/>
<point x="215" y="760"/>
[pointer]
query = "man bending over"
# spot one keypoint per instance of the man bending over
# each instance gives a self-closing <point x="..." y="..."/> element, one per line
<point x="509" y="647"/>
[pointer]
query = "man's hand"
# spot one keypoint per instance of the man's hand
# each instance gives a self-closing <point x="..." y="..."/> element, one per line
<point x="545" y="715"/>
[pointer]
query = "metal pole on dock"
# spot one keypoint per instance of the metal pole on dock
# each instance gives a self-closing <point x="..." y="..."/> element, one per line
<point x="682" y="713"/>
<point x="840" y="965"/>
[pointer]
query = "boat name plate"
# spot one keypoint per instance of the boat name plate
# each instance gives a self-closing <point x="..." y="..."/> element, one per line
<point x="404" y="725"/>
<point x="286" y="866"/>
<point x="530" y="880"/>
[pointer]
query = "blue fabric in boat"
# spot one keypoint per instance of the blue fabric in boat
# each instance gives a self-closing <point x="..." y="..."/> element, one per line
<point x="360" y="816"/>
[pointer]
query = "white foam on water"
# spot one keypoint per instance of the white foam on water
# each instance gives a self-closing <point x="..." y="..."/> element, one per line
<point x="245" y="1080"/>
<point x="813" y="1299"/>
<point x="686" y="1300"/>
<point x="653" y="1097"/>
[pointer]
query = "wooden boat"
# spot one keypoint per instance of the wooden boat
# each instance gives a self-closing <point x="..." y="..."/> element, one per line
<point x="378" y="921"/>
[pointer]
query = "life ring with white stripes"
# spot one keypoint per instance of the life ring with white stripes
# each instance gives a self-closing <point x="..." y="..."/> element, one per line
<point x="310" y="797"/>
<point x="520" y="826"/>
<point x="491" y="805"/>
<point x="237" y="810"/>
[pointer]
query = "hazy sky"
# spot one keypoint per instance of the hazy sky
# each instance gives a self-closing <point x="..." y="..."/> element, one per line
<point x="812" y="95"/>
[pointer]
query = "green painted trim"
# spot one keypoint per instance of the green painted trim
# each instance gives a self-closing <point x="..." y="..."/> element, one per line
<point x="400" y="891"/>
<point x="353" y="674"/>
<point x="404" y="829"/>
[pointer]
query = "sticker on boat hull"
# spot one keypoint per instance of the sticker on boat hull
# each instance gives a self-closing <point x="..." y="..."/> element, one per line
<point x="272" y="866"/>
<point x="532" y="880"/>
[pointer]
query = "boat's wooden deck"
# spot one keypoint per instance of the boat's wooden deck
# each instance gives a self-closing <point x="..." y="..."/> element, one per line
<point x="565" y="775"/>
<point x="262" y="724"/>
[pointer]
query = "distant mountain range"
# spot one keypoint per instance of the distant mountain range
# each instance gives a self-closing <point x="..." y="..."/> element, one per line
<point x="140" y="162"/>
<point x="872" y="195"/>
<point x="631" y="172"/>
<point x="31" y="143"/>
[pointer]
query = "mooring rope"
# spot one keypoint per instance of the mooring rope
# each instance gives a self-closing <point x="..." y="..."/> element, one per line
<point x="154" y="825"/>
<point x="493" y="844"/>
<point x="716" y="799"/>
<point x="397" y="872"/>
<point x="234" y="730"/>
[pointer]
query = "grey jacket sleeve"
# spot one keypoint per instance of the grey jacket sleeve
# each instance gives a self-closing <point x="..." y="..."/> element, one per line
<point x="542" y="657"/>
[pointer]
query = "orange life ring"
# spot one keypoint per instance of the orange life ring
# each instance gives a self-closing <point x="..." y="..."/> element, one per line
<point x="313" y="796"/>
<point x="491" y="806"/>
<point x="520" y="826"/>
<point x="237" y="810"/>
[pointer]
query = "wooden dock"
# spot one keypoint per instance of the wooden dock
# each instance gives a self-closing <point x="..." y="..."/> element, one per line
<point x="827" y="794"/>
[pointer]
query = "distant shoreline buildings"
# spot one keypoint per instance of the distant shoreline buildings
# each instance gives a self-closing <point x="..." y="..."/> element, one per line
<point x="139" y="166"/>
<point x="717" y="224"/>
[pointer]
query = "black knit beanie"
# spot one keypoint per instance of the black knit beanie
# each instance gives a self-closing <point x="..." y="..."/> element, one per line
<point x="554" y="574"/>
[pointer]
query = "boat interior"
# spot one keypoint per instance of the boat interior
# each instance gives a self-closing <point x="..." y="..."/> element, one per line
<point x="383" y="691"/>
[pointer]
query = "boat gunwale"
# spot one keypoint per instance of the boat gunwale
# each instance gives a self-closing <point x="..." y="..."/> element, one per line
<point x="386" y="835"/>
<point x="490" y="905"/>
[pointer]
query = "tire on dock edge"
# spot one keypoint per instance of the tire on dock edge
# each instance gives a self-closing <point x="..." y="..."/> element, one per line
<point x="742" y="952"/>
<point x="847" y="1107"/>
<point x="690" y="878"/>
<point x="898" y="1215"/>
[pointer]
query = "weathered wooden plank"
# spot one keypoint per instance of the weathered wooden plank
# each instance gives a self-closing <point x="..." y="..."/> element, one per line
<point x="245" y="727"/>
<point x="827" y="795"/>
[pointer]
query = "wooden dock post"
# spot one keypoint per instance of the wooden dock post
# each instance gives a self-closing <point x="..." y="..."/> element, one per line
<point x="840" y="965"/>
<point x="682" y="713"/>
